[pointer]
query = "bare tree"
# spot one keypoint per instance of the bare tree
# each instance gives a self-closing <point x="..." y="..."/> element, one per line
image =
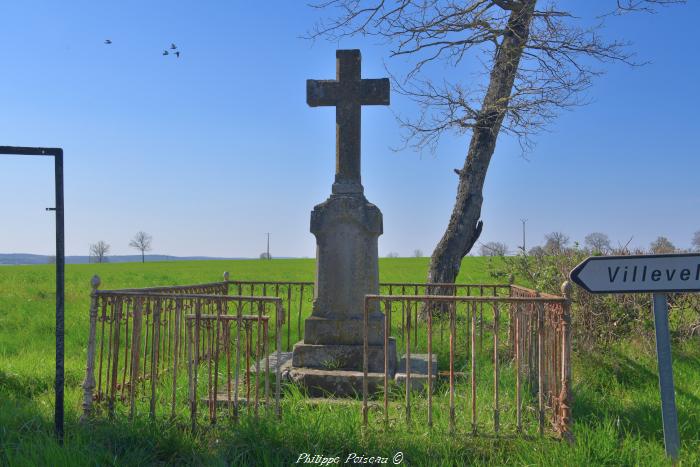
<point x="392" y="254"/>
<point x="536" y="61"/>
<point x="555" y="243"/>
<point x="142" y="242"/>
<point x="494" y="249"/>
<point x="417" y="253"/>
<point x="598" y="242"/>
<point x="99" y="251"/>
<point x="662" y="246"/>
<point x="696" y="241"/>
<point x="537" y="251"/>
<point x="265" y="255"/>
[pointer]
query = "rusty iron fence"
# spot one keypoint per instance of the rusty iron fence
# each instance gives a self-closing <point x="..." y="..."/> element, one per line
<point x="153" y="349"/>
<point x="297" y="298"/>
<point x="529" y="335"/>
<point x="171" y="350"/>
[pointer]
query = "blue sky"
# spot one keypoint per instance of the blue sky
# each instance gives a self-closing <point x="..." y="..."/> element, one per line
<point x="210" y="151"/>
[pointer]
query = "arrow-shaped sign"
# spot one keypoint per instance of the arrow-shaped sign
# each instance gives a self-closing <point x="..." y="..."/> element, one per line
<point x="648" y="273"/>
<point x="641" y="273"/>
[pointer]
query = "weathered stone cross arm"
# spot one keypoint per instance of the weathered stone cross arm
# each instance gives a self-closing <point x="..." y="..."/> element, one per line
<point x="329" y="92"/>
<point x="348" y="92"/>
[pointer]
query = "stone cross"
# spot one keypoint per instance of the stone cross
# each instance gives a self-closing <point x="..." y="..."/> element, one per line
<point x="348" y="92"/>
<point x="347" y="228"/>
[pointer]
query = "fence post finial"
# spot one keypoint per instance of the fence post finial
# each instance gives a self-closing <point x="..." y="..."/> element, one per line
<point x="226" y="275"/>
<point x="89" y="383"/>
<point x="566" y="290"/>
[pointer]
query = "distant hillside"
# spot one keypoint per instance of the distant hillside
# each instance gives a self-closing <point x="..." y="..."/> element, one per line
<point x="27" y="258"/>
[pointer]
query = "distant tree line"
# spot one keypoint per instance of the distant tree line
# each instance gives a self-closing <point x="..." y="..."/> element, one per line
<point x="595" y="243"/>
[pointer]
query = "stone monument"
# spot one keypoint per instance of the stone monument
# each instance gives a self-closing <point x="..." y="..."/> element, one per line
<point x="346" y="226"/>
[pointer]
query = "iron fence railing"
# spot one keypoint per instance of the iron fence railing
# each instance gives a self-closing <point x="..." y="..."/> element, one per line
<point x="165" y="350"/>
<point x="528" y="331"/>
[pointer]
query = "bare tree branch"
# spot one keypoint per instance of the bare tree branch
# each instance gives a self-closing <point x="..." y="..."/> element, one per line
<point x="535" y="62"/>
<point x="557" y="64"/>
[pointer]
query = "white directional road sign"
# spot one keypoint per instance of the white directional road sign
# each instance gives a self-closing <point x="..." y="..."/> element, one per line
<point x="648" y="273"/>
<point x="643" y="273"/>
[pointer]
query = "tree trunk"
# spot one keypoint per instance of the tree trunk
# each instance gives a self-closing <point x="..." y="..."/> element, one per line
<point x="465" y="226"/>
<point x="143" y="256"/>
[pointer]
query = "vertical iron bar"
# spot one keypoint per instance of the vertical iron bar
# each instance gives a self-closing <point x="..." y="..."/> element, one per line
<point x="301" y="303"/>
<point x="518" y="402"/>
<point x="565" y="396"/>
<point x="408" y="364"/>
<point x="126" y="351"/>
<point x="278" y="364"/>
<point x="227" y="343"/>
<point x="365" y="361"/>
<point x="289" y="317"/>
<point x="154" y="356"/>
<point x="195" y="371"/>
<point x="258" y="351"/>
<point x="540" y="364"/>
<point x="237" y="362"/>
<point x="217" y="345"/>
<point x="266" y="352"/>
<point x="135" y="355"/>
<point x="115" y="354"/>
<point x="178" y="317"/>
<point x="248" y="350"/>
<point x="415" y="320"/>
<point x="452" y="312"/>
<point x="430" y="364"/>
<point x="403" y="313"/>
<point x="481" y="320"/>
<point x="190" y="374"/>
<point x="473" y="375"/>
<point x="103" y="319"/>
<point x="496" y="368"/>
<point x="387" y="320"/>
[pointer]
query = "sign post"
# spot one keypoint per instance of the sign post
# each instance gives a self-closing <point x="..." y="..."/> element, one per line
<point x="669" y="415"/>
<point x="658" y="274"/>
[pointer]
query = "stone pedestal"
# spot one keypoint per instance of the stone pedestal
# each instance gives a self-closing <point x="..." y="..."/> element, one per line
<point x="346" y="227"/>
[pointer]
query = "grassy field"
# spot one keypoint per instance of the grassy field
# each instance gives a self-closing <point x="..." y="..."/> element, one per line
<point x="616" y="411"/>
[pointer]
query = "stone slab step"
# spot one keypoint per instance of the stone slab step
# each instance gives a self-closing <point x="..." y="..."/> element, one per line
<point x="339" y="383"/>
<point x="285" y="359"/>
<point x="419" y="364"/>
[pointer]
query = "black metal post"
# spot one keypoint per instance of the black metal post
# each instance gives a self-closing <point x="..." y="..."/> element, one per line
<point x="60" y="296"/>
<point x="57" y="154"/>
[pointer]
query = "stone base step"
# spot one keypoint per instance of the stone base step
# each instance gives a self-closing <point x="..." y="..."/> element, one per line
<point x="344" y="357"/>
<point x="285" y="359"/>
<point x="336" y="383"/>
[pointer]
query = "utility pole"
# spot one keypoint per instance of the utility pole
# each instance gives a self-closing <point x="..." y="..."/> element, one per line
<point x="523" y="221"/>
<point x="268" y="245"/>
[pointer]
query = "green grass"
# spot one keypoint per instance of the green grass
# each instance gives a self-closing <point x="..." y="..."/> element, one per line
<point x="616" y="409"/>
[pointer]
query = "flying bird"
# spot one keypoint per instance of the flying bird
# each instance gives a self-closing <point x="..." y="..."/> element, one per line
<point x="173" y="46"/>
<point x="165" y="52"/>
<point x="108" y="41"/>
<point x="177" y="54"/>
